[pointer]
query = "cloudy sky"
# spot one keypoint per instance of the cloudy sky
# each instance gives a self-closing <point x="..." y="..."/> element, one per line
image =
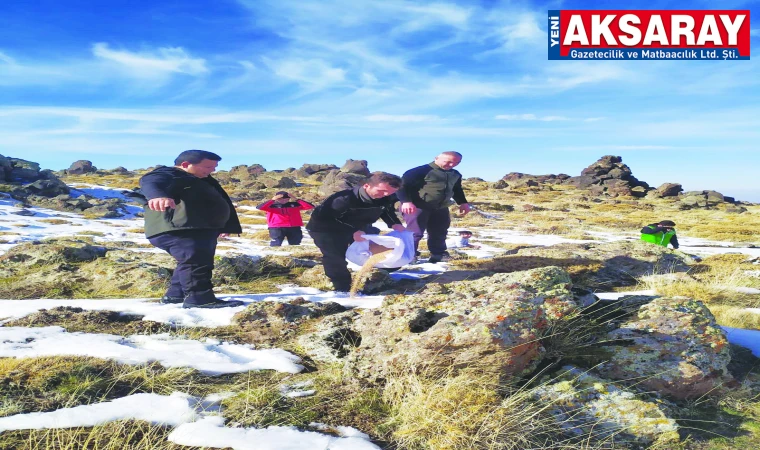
<point x="282" y="83"/>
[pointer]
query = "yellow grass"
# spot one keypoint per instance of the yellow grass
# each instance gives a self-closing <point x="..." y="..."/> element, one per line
<point x="714" y="280"/>
<point x="731" y="316"/>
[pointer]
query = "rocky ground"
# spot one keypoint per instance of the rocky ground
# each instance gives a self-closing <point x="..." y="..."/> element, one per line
<point x="533" y="341"/>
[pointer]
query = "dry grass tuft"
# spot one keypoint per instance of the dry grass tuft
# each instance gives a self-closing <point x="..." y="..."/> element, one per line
<point x="714" y="280"/>
<point x="465" y="411"/>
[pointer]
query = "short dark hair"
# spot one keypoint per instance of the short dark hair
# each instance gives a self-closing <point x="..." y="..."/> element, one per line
<point x="667" y="223"/>
<point x="195" y="156"/>
<point x="391" y="180"/>
<point x="466" y="232"/>
<point x="457" y="154"/>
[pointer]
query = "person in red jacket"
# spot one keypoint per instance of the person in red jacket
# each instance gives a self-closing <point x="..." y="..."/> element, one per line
<point x="284" y="218"/>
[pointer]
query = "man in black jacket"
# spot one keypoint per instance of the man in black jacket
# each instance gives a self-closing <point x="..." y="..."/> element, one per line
<point x="425" y="197"/>
<point x="186" y="212"/>
<point x="346" y="216"/>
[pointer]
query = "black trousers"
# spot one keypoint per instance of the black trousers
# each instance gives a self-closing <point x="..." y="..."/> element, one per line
<point x="194" y="252"/>
<point x="333" y="247"/>
<point x="278" y="234"/>
<point x="436" y="222"/>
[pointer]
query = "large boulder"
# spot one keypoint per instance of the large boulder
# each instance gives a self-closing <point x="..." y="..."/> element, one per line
<point x="672" y="346"/>
<point x="310" y="169"/>
<point x="47" y="188"/>
<point x="336" y="181"/>
<point x="587" y="405"/>
<point x="703" y="199"/>
<point x="609" y="176"/>
<point x="91" y="207"/>
<point x="668" y="190"/>
<point x="357" y="166"/>
<point x="256" y="169"/>
<point x="24" y="171"/>
<point x="243" y="172"/>
<point x="501" y="184"/>
<point x="81" y="167"/>
<point x="495" y="321"/>
<point x="281" y="183"/>
<point x="5" y="168"/>
<point x="518" y="179"/>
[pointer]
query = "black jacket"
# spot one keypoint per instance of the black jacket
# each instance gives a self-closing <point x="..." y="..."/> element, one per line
<point x="430" y="187"/>
<point x="201" y="203"/>
<point x="352" y="210"/>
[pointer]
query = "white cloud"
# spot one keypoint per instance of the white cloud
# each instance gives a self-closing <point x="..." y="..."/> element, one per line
<point x="314" y="73"/>
<point x="168" y="116"/>
<point x="164" y="61"/>
<point x="419" y="17"/>
<point x="525" y="31"/>
<point x="6" y="59"/>
<point x="400" y="118"/>
<point x="568" y="76"/>
<point x="530" y="117"/>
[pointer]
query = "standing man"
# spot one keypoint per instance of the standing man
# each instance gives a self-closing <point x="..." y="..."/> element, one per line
<point x="425" y="197"/>
<point x="346" y="216"/>
<point x="187" y="211"/>
<point x="284" y="218"/>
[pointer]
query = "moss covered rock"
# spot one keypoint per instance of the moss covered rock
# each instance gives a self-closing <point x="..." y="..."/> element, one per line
<point x="586" y="405"/>
<point x="672" y="346"/>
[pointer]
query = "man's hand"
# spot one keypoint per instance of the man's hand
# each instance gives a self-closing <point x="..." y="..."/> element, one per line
<point x="223" y="235"/>
<point x="277" y="197"/>
<point x="408" y="208"/>
<point x="359" y="236"/>
<point x="161" y="204"/>
<point x="464" y="208"/>
<point x="398" y="227"/>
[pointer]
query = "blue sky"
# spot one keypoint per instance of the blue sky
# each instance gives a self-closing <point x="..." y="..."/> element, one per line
<point x="282" y="83"/>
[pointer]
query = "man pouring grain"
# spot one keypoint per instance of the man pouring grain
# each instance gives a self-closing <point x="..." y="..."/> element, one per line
<point x="346" y="216"/>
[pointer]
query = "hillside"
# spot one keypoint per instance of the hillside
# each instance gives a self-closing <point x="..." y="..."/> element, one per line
<point x="562" y="331"/>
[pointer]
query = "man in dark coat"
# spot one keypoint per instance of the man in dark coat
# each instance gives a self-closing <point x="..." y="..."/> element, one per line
<point x="186" y="212"/>
<point x="346" y="216"/>
<point x="425" y="197"/>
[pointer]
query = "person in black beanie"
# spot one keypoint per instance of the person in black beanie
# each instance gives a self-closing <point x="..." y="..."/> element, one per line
<point x="661" y="233"/>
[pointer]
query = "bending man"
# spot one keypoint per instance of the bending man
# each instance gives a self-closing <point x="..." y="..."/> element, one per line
<point x="346" y="216"/>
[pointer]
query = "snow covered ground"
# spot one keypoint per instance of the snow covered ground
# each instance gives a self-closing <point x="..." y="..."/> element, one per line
<point x="197" y="421"/>
<point x="210" y="357"/>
